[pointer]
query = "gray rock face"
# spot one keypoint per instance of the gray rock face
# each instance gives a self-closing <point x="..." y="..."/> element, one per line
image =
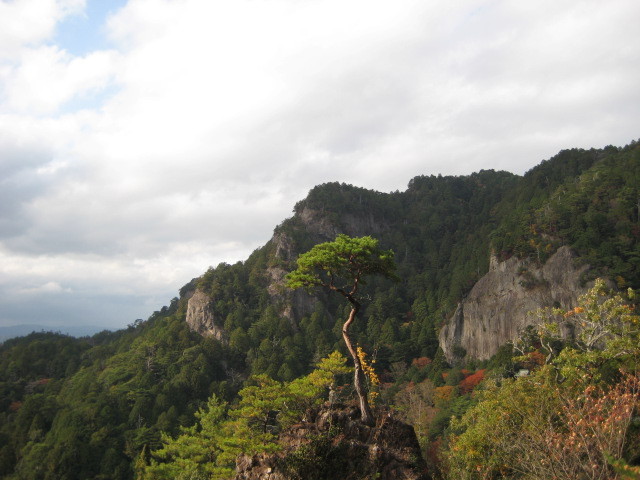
<point x="497" y="309"/>
<point x="354" y="226"/>
<point x="296" y="304"/>
<point x="293" y="305"/>
<point x="200" y="316"/>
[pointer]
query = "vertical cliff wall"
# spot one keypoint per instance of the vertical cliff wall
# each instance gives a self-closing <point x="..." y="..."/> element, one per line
<point x="497" y="308"/>
<point x="201" y="317"/>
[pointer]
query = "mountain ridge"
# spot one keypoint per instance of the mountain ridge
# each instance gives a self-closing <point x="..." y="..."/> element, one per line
<point x="96" y="407"/>
<point x="453" y="217"/>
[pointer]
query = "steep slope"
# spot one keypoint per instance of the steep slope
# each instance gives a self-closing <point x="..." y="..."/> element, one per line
<point x="597" y="213"/>
<point x="439" y="229"/>
<point x="499" y="306"/>
<point x="442" y="230"/>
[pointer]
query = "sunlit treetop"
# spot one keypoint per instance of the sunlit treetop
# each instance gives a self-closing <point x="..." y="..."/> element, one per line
<point x="342" y="265"/>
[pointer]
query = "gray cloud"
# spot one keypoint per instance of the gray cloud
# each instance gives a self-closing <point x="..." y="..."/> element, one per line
<point x="220" y="116"/>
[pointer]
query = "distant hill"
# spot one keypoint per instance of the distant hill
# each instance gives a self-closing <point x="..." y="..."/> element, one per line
<point x="22" y="330"/>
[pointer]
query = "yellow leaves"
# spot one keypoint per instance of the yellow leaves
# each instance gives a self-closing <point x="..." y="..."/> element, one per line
<point x="532" y="426"/>
<point x="444" y="393"/>
<point x="575" y="311"/>
<point x="370" y="373"/>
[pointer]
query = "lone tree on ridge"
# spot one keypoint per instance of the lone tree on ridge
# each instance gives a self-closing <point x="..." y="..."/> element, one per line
<point x="341" y="266"/>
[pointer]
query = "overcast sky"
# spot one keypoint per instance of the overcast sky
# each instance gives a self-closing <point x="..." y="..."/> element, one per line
<point x="142" y="141"/>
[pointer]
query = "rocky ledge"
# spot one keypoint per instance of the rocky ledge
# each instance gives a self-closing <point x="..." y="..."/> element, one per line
<point x="333" y="443"/>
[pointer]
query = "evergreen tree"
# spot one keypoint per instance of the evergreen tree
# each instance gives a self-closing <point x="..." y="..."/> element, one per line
<point x="342" y="266"/>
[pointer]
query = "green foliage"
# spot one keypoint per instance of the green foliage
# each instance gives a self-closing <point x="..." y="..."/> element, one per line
<point x="209" y="448"/>
<point x="100" y="407"/>
<point x="605" y="330"/>
<point x="535" y="427"/>
<point x="321" y="383"/>
<point x="116" y="393"/>
<point x="341" y="264"/>
<point x="197" y="452"/>
<point x="585" y="199"/>
<point x="578" y="407"/>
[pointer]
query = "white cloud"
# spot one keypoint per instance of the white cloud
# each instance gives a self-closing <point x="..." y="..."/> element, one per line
<point x="48" y="77"/>
<point x="28" y="22"/>
<point x="197" y="134"/>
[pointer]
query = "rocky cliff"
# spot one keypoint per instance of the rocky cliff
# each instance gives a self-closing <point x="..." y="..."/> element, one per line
<point x="201" y="317"/>
<point x="498" y="307"/>
<point x="318" y="228"/>
<point x="283" y="251"/>
<point x="292" y="304"/>
<point x="333" y="443"/>
<point x="324" y="229"/>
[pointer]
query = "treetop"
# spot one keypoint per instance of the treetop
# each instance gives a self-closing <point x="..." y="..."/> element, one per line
<point x="342" y="264"/>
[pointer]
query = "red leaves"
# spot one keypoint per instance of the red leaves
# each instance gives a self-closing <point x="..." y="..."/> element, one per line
<point x="470" y="382"/>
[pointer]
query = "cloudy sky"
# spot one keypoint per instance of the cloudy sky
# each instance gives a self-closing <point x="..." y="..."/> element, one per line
<point x="142" y="141"/>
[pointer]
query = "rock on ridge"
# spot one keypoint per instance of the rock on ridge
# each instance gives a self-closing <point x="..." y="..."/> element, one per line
<point x="497" y="309"/>
<point x="292" y="305"/>
<point x="200" y="316"/>
<point x="319" y="225"/>
<point x="338" y="445"/>
<point x="320" y="228"/>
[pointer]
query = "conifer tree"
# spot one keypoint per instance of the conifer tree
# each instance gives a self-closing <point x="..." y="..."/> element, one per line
<point x="342" y="266"/>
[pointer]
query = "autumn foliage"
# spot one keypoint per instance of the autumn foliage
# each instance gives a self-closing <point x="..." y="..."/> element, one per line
<point x="421" y="362"/>
<point x="597" y="422"/>
<point x="574" y="417"/>
<point x="444" y="393"/>
<point x="471" y="381"/>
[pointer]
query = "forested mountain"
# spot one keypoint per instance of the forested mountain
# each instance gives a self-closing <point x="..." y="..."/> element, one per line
<point x="107" y="406"/>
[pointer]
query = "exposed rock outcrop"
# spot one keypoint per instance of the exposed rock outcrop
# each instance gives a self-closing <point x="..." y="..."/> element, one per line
<point x="201" y="318"/>
<point x="334" y="444"/>
<point x="497" y="309"/>
<point x="320" y="225"/>
<point x="296" y="304"/>
<point x="293" y="304"/>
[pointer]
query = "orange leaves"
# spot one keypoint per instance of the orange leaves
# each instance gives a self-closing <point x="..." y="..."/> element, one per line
<point x="470" y="382"/>
<point x="444" y="394"/>
<point x="421" y="362"/>
<point x="545" y="430"/>
<point x="596" y="424"/>
<point x="573" y="312"/>
<point x="532" y="360"/>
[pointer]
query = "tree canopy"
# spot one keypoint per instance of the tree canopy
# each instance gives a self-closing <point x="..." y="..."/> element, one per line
<point x="342" y="265"/>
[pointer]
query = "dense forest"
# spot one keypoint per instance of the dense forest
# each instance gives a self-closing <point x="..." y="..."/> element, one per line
<point x="157" y="400"/>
